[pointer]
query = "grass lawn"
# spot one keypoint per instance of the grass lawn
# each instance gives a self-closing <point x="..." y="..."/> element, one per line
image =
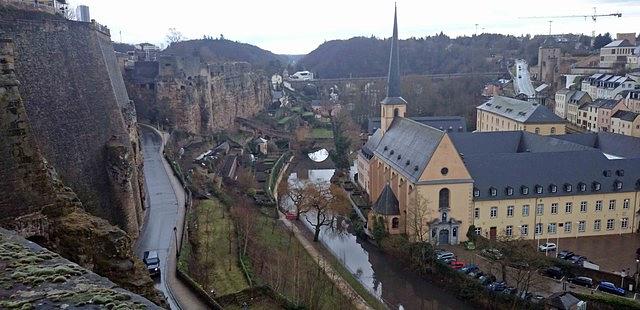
<point x="321" y="133"/>
<point x="313" y="289"/>
<point x="285" y="120"/>
<point x="217" y="255"/>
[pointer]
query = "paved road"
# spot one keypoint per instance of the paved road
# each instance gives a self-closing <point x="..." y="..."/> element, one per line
<point x="165" y="202"/>
<point x="523" y="79"/>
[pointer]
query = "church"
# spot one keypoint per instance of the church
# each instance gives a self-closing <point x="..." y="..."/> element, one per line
<point x="436" y="185"/>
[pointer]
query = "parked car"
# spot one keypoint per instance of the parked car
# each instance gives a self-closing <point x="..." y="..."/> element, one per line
<point x="577" y="259"/>
<point x="492" y="253"/>
<point x="444" y="256"/>
<point x="448" y="260"/>
<point x="553" y="272"/>
<point x="469" y="268"/>
<point x="152" y="261"/>
<point x="497" y="286"/>
<point x="582" y="281"/>
<point x="456" y="264"/>
<point x="564" y="254"/>
<point x="484" y="280"/>
<point x="611" y="288"/>
<point x="547" y="247"/>
<point x="510" y="291"/>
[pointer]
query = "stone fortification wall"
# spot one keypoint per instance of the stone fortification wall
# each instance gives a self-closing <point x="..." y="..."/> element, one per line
<point x="196" y="97"/>
<point x="78" y="107"/>
<point x="35" y="203"/>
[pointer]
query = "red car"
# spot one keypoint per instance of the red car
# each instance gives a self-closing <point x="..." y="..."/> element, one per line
<point x="456" y="264"/>
<point x="291" y="216"/>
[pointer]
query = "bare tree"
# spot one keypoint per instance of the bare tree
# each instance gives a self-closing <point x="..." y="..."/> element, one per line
<point x="245" y="219"/>
<point x="418" y="217"/>
<point x="322" y="203"/>
<point x="297" y="196"/>
<point x="174" y="36"/>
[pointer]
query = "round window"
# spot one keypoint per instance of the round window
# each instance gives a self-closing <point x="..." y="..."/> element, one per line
<point x="444" y="171"/>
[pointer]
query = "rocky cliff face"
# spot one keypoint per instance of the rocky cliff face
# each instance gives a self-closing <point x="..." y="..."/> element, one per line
<point x="77" y="106"/>
<point x="35" y="203"/>
<point x="195" y="97"/>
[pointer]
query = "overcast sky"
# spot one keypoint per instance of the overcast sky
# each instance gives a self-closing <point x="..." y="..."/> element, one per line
<point x="298" y="27"/>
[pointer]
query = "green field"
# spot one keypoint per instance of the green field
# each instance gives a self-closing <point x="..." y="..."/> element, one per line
<point x="321" y="133"/>
<point x="218" y="256"/>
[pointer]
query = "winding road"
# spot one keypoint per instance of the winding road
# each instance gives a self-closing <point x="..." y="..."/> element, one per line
<point x="523" y="80"/>
<point x="165" y="210"/>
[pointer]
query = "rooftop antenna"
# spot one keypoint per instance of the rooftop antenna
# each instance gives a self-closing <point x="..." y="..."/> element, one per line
<point x="120" y="36"/>
<point x="550" y="26"/>
<point x="476" y="29"/>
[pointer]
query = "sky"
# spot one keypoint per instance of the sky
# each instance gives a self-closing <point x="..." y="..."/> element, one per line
<point x="298" y="27"/>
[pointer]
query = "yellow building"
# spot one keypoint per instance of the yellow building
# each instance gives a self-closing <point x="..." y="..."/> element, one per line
<point x="507" y="114"/>
<point x="434" y="185"/>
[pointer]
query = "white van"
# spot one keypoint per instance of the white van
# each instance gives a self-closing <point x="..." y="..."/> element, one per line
<point x="301" y="76"/>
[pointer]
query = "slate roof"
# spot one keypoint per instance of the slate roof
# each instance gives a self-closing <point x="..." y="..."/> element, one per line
<point x="606" y="103"/>
<point x="619" y="43"/>
<point x="387" y="203"/>
<point x="444" y="123"/>
<point x="393" y="78"/>
<point x="625" y="115"/>
<point x="500" y="171"/>
<point x="520" y="111"/>
<point x="607" y="142"/>
<point x="562" y="300"/>
<point x="515" y="159"/>
<point x="577" y="95"/>
<point x="372" y="143"/>
<point x="408" y="146"/>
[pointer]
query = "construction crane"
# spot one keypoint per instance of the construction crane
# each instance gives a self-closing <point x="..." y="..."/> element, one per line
<point x="594" y="17"/>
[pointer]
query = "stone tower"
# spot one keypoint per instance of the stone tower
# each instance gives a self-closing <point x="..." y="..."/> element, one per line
<point x="393" y="105"/>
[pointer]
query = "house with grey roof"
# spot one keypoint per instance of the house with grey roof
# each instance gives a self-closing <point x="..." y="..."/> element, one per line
<point x="626" y="123"/>
<point x="614" y="54"/>
<point x="506" y="114"/>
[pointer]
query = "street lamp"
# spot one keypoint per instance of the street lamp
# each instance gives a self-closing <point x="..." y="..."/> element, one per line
<point x="175" y="234"/>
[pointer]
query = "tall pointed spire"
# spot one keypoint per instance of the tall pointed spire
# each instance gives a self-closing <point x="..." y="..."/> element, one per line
<point x="393" y="79"/>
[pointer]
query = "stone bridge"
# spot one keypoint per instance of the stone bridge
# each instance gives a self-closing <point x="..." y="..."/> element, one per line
<point x="322" y="87"/>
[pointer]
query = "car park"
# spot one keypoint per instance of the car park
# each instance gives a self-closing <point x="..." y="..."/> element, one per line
<point x="553" y="272"/>
<point x="547" y="247"/>
<point x="611" y="288"/>
<point x="152" y="261"/>
<point x="582" y="281"/>
<point x="564" y="254"/>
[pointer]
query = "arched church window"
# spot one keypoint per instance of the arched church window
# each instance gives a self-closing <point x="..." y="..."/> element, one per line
<point x="444" y="217"/>
<point x="444" y="198"/>
<point x="396" y="112"/>
<point x="395" y="222"/>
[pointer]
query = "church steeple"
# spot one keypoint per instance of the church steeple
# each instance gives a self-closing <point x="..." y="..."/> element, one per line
<point x="393" y="79"/>
<point x="393" y="105"/>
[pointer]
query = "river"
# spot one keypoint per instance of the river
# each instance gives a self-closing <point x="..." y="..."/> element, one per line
<point x="386" y="279"/>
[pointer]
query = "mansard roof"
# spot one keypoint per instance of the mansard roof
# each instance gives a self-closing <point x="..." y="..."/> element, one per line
<point x="444" y="123"/>
<point x="387" y="203"/>
<point x="520" y="110"/>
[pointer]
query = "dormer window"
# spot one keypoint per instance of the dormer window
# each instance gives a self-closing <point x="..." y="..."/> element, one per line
<point x="509" y="191"/>
<point x="539" y="189"/>
<point x="582" y="187"/>
<point x="524" y="190"/>
<point x="620" y="173"/>
<point x="617" y="185"/>
<point x="606" y="173"/>
<point x="391" y="153"/>
<point x="553" y="188"/>
<point x="568" y="187"/>
<point x="596" y="186"/>
<point x="638" y="184"/>
<point x="493" y="191"/>
<point x="476" y="192"/>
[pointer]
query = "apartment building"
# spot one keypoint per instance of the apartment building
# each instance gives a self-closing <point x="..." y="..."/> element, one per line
<point x="508" y="114"/>
<point x="626" y="123"/>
